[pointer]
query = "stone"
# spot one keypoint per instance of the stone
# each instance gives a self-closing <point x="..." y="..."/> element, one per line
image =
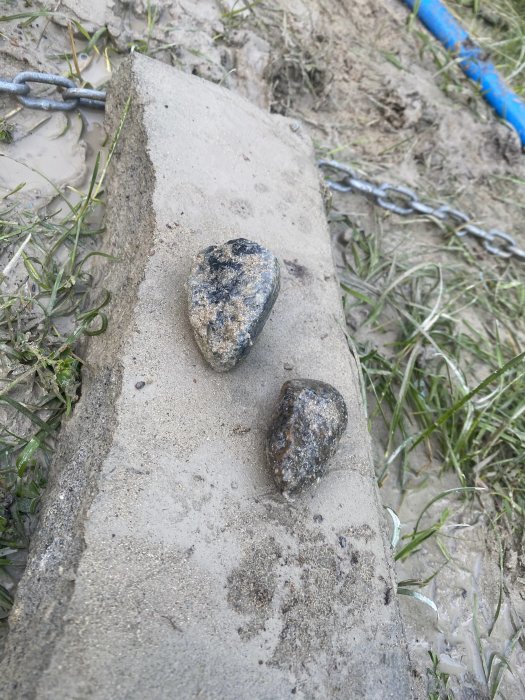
<point x="231" y="290"/>
<point x="307" y="425"/>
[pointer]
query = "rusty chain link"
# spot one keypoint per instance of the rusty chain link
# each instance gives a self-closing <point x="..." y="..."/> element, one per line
<point x="404" y="201"/>
<point x="72" y="97"/>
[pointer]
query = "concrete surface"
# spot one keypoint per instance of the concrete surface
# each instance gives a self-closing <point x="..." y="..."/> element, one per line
<point x="167" y="565"/>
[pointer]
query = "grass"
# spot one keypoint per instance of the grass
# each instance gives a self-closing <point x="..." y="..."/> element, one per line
<point x="42" y="318"/>
<point x="234" y="17"/>
<point x="439" y="681"/>
<point x="447" y="370"/>
<point x="46" y="308"/>
<point x="441" y="345"/>
<point x="6" y="132"/>
<point x="297" y="66"/>
<point x="143" y="45"/>
<point x="497" y="26"/>
<point x="98" y="42"/>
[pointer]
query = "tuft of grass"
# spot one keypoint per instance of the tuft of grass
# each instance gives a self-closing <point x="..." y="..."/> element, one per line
<point x="234" y="17"/>
<point x="29" y="17"/>
<point x="143" y="45"/>
<point x="446" y="368"/>
<point x="494" y="664"/>
<point x="6" y="131"/>
<point x="439" y="688"/>
<point x="43" y="314"/>
<point x="441" y="343"/>
<point x="499" y="28"/>
<point x="47" y="306"/>
<point x="298" y="66"/>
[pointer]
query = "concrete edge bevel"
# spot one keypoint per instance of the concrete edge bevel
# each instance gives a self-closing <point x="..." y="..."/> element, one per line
<point x="43" y="594"/>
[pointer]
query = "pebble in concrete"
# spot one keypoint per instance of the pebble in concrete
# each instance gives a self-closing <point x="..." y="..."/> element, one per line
<point x="310" y="419"/>
<point x="231" y="290"/>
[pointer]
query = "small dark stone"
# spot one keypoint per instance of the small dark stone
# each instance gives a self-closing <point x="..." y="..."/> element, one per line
<point x="231" y="290"/>
<point x="306" y="428"/>
<point x="140" y="385"/>
<point x="342" y="541"/>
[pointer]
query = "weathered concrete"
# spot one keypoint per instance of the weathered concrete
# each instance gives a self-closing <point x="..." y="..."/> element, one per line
<point x="168" y="566"/>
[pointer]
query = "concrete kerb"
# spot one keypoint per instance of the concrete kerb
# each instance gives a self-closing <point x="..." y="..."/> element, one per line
<point x="166" y="564"/>
<point x="43" y="594"/>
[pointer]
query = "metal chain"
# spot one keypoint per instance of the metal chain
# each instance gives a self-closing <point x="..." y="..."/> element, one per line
<point x="404" y="201"/>
<point x="72" y="97"/>
<point x="398" y="199"/>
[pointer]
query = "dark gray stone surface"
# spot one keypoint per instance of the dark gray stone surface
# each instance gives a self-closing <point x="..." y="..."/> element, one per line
<point x="231" y="290"/>
<point x="310" y="418"/>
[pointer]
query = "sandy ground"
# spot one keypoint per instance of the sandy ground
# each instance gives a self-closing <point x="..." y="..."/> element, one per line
<point x="368" y="88"/>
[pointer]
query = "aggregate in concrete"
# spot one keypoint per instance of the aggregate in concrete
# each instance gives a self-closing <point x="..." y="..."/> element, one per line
<point x="167" y="564"/>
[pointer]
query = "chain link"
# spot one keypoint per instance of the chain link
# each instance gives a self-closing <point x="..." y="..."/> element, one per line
<point x="398" y="199"/>
<point x="72" y="97"/>
<point x="404" y="201"/>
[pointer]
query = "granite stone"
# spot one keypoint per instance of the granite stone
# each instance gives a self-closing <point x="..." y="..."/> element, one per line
<point x="231" y="290"/>
<point x="309" y="420"/>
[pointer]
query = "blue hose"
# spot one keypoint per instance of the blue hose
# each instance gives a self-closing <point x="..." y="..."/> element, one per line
<point x="473" y="61"/>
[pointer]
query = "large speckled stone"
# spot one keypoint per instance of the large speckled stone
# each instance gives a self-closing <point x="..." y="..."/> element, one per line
<point x="231" y="290"/>
<point x="306" y="428"/>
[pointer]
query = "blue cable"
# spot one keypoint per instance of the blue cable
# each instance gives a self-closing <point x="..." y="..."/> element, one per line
<point x="473" y="61"/>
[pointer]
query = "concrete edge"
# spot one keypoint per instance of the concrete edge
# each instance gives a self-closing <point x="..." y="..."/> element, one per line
<point x="57" y="544"/>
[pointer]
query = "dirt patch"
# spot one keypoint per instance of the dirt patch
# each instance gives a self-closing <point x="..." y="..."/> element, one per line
<point x="318" y="585"/>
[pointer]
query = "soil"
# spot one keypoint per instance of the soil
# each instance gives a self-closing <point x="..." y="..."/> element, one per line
<point x="368" y="90"/>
